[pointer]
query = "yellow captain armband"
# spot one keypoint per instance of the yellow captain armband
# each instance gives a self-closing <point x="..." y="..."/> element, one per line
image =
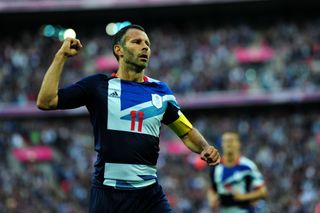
<point x="181" y="126"/>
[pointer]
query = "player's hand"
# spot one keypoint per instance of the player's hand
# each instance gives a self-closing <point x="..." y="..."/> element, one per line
<point x="70" y="47"/>
<point x="211" y="156"/>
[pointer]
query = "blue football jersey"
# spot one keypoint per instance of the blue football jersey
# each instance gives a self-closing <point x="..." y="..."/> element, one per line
<point x="243" y="177"/>
<point x="126" y="118"/>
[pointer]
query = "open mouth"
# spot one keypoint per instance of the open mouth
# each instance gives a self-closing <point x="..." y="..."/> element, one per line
<point x="144" y="57"/>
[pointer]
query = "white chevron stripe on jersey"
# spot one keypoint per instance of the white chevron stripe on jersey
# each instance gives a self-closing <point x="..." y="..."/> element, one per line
<point x="131" y="119"/>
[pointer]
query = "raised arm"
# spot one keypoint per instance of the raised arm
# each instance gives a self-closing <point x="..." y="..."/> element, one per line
<point x="48" y="94"/>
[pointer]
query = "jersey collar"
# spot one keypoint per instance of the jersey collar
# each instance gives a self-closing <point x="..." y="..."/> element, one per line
<point x="236" y="163"/>
<point x="145" y="78"/>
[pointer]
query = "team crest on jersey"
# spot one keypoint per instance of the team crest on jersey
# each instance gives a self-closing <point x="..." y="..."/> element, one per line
<point x="156" y="100"/>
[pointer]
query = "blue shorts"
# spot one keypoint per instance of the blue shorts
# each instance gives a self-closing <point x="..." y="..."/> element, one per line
<point x="150" y="199"/>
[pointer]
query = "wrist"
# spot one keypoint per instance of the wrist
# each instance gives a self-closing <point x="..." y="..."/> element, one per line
<point x="205" y="146"/>
<point x="61" y="56"/>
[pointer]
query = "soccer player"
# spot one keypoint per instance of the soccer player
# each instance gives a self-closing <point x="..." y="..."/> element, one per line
<point x="236" y="182"/>
<point x="126" y="111"/>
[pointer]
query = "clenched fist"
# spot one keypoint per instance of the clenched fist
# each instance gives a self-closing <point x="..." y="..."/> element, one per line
<point x="211" y="156"/>
<point x="70" y="47"/>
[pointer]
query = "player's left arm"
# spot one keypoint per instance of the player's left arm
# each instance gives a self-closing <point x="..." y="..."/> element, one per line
<point x="194" y="140"/>
<point x="258" y="187"/>
<point x="254" y="195"/>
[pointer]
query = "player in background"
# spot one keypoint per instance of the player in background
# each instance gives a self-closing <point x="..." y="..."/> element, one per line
<point x="126" y="110"/>
<point x="236" y="182"/>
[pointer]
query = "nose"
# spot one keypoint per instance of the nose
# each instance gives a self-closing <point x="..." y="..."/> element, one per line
<point x="145" y="48"/>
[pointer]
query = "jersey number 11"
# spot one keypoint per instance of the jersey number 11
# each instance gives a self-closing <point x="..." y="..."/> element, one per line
<point x="133" y="114"/>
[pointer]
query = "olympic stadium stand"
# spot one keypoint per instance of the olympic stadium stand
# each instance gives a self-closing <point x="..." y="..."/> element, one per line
<point x="260" y="77"/>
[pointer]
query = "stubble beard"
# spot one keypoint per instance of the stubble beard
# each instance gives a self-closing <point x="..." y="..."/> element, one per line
<point x="132" y="61"/>
<point x="138" y="68"/>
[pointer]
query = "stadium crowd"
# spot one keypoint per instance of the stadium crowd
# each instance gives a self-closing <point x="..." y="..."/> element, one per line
<point x="285" y="148"/>
<point x="239" y="57"/>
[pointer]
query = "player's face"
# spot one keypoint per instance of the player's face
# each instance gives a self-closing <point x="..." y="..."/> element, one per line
<point x="230" y="143"/>
<point x="136" y="48"/>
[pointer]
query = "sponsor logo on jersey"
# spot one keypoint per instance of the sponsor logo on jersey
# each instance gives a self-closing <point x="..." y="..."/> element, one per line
<point x="114" y="94"/>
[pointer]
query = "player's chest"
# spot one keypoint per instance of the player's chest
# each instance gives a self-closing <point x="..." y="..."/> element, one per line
<point x="134" y="108"/>
<point x="124" y="96"/>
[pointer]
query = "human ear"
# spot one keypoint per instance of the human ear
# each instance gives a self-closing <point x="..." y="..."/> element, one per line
<point x="118" y="50"/>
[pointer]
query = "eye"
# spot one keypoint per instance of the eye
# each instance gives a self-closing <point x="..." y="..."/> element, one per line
<point x="136" y="41"/>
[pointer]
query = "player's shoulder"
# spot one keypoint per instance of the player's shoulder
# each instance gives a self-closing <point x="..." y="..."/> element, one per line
<point x="244" y="161"/>
<point x="164" y="87"/>
<point x="98" y="76"/>
<point x="95" y="78"/>
<point x="151" y="80"/>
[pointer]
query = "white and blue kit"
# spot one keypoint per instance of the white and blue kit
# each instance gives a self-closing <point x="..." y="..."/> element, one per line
<point x="242" y="178"/>
<point x="126" y="118"/>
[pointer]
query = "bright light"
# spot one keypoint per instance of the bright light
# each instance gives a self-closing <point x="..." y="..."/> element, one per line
<point x="123" y="24"/>
<point x="48" y="31"/>
<point x="111" y="29"/>
<point x="126" y="23"/>
<point x="69" y="33"/>
<point x="61" y="35"/>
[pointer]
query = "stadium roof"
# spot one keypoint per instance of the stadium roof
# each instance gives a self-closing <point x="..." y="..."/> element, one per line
<point x="57" y="5"/>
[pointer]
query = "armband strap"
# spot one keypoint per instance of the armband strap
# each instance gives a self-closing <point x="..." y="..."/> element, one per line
<point x="181" y="126"/>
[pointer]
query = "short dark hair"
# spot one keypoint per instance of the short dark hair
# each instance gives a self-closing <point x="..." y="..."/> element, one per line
<point x="119" y="36"/>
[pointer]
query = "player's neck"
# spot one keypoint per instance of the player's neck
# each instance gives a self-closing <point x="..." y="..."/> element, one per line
<point x="231" y="159"/>
<point x="130" y="74"/>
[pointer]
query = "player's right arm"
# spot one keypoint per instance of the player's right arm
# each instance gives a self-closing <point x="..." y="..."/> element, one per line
<point x="48" y="94"/>
<point x="212" y="195"/>
<point x="213" y="199"/>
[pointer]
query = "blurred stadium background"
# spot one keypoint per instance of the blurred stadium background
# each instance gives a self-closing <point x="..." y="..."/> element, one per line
<point x="249" y="65"/>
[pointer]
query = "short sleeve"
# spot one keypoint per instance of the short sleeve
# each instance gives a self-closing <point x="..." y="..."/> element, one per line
<point x="257" y="178"/>
<point x="172" y="112"/>
<point x="78" y="94"/>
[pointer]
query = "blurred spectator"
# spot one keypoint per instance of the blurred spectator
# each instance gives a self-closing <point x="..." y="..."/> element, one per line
<point x="192" y="60"/>
<point x="285" y="147"/>
<point x="280" y="56"/>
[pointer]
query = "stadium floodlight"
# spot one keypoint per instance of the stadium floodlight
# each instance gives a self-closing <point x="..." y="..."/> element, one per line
<point x="61" y="34"/>
<point x="57" y="32"/>
<point x="123" y="24"/>
<point x="69" y="33"/>
<point x="113" y="28"/>
<point x="48" y="31"/>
